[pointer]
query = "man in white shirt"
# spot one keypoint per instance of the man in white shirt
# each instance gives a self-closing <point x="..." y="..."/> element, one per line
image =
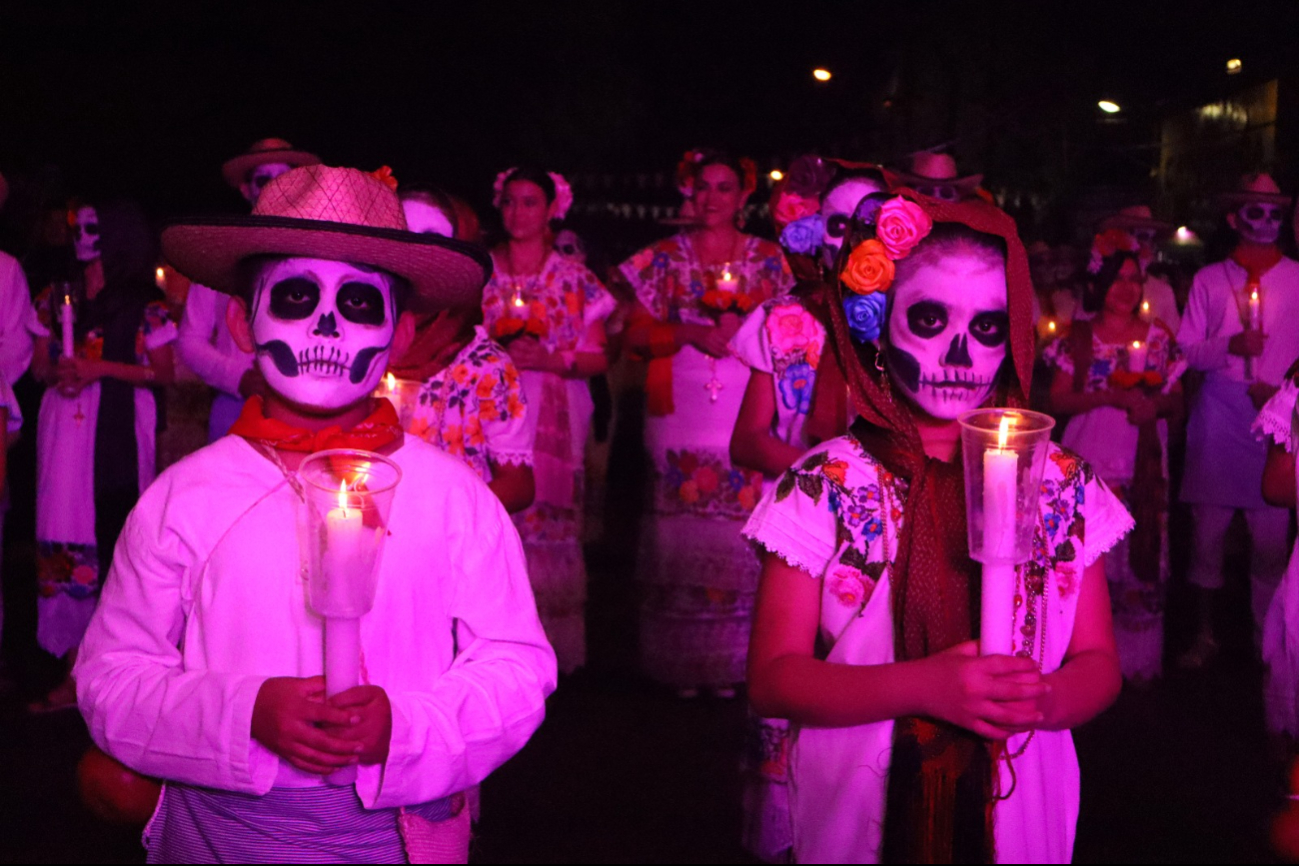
<point x="205" y="345"/>
<point x="1244" y="347"/>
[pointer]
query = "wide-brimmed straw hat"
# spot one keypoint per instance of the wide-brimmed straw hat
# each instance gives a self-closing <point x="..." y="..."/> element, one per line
<point x="928" y="169"/>
<point x="1254" y="187"/>
<point x="262" y="152"/>
<point x="330" y="213"/>
<point x="1136" y="217"/>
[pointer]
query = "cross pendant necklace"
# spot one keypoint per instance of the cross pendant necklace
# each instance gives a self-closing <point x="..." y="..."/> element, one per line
<point x="714" y="385"/>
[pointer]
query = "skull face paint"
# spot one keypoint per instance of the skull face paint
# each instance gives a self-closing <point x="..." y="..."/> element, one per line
<point x="259" y="177"/>
<point x="1258" y="223"/>
<point x="836" y="211"/>
<point x="85" y="234"/>
<point x="323" y="330"/>
<point x="941" y="191"/>
<point x="570" y="246"/>
<point x="947" y="331"/>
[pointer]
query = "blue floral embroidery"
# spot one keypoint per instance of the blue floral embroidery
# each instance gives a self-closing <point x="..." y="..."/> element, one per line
<point x="796" y="388"/>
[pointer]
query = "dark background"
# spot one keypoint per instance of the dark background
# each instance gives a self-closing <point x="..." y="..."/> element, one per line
<point x="149" y="98"/>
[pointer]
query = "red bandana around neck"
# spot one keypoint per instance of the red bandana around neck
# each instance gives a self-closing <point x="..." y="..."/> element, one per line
<point x="1256" y="261"/>
<point x="381" y="428"/>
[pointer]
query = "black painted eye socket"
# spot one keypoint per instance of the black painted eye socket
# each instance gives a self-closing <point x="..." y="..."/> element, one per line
<point x="294" y="298"/>
<point x="91" y="229"/>
<point x="927" y="319"/>
<point x="990" y="329"/>
<point x="361" y="303"/>
<point x="837" y="226"/>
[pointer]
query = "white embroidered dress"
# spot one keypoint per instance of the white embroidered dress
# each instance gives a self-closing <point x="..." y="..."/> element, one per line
<point x="838" y="776"/>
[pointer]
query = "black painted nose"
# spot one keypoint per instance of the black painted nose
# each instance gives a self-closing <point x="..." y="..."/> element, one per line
<point x="959" y="353"/>
<point x="327" y="326"/>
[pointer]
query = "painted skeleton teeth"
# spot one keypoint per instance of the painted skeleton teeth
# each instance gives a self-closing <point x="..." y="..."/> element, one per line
<point x="324" y="361"/>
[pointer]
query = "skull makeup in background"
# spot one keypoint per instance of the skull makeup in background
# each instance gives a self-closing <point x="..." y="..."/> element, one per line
<point x="837" y="208"/>
<point x="85" y="234"/>
<point x="1258" y="222"/>
<point x="941" y="191"/>
<point x="947" y="332"/>
<point x="570" y="246"/>
<point x="323" y="330"/>
<point x="259" y="177"/>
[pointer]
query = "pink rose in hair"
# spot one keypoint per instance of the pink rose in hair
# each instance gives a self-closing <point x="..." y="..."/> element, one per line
<point x="793" y="207"/>
<point x="900" y="225"/>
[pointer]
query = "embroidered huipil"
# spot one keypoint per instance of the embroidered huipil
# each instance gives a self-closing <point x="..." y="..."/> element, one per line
<point x="836" y="515"/>
<point x="698" y="577"/>
<point x="206" y="600"/>
<point x="564" y="300"/>
<point x="475" y="409"/>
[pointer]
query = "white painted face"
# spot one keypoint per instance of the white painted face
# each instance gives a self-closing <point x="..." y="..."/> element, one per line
<point x="1258" y="222"/>
<point x="946" y="333"/>
<point x="837" y="209"/>
<point x="570" y="246"/>
<point x="941" y="191"/>
<point x="323" y="330"/>
<point x="259" y="177"/>
<point x="425" y="219"/>
<point x="85" y="234"/>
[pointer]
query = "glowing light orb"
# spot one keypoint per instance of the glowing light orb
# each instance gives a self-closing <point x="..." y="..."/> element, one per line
<point x="1109" y="107"/>
<point x="821" y="74"/>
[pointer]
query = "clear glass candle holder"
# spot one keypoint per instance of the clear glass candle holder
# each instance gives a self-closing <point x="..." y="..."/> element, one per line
<point x="349" y="500"/>
<point x="1004" y="453"/>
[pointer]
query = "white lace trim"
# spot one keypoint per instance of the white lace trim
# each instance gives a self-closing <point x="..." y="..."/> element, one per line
<point x="1275" y="419"/>
<point x="511" y="458"/>
<point x="775" y="540"/>
<point x="1097" y="544"/>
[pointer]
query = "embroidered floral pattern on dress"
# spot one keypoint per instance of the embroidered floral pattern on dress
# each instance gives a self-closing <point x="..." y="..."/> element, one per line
<point x="474" y="408"/>
<point x="565" y="296"/>
<point x="704" y="483"/>
<point x="670" y="282"/>
<point x="1109" y="358"/>
<point x="71" y="569"/>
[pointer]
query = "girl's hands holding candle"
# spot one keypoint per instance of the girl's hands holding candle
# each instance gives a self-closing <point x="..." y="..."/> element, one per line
<point x="995" y="696"/>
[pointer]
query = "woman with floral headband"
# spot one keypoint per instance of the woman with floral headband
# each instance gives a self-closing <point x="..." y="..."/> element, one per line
<point x="909" y="746"/>
<point x="1116" y="377"/>
<point x="549" y="311"/>
<point x="796" y="397"/>
<point x="697" y="576"/>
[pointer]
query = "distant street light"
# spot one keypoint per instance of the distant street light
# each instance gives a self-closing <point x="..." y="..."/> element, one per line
<point x="1233" y="66"/>
<point x="821" y="74"/>
<point x="776" y="174"/>
<point x="1109" y="107"/>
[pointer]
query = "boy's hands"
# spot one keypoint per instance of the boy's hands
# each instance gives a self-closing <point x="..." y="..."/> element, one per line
<point x="371" y="725"/>
<point x="292" y="719"/>
<point x="993" y="696"/>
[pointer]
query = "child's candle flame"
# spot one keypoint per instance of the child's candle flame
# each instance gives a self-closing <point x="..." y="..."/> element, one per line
<point x="342" y="497"/>
<point x="392" y="382"/>
<point x="1003" y="432"/>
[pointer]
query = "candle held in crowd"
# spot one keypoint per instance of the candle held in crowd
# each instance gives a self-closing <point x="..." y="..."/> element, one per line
<point x="1000" y="487"/>
<point x="1137" y="357"/>
<point x="66" y="320"/>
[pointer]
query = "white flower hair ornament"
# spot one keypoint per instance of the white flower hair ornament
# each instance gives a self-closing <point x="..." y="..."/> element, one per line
<point x="563" y="192"/>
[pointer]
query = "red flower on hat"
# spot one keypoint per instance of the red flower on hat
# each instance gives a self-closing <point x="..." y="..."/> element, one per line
<point x="384" y="174"/>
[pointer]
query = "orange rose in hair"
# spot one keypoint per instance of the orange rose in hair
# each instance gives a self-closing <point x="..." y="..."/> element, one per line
<point x="869" y="268"/>
<point x="901" y="225"/>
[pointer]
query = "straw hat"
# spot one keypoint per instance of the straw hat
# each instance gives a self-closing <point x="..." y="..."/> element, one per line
<point x="262" y="152"/>
<point x="1254" y="187"/>
<point x="1135" y="217"/>
<point x="330" y="213"/>
<point x="928" y="169"/>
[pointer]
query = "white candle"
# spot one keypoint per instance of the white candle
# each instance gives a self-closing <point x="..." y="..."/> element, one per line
<point x="1000" y="491"/>
<point x="342" y="672"/>
<point x="1137" y="357"/>
<point x="727" y="282"/>
<point x="392" y="392"/>
<point x="66" y="321"/>
<point x="1255" y="310"/>
<point x="346" y="561"/>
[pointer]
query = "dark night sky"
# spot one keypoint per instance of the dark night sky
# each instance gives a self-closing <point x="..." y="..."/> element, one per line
<point x="150" y="99"/>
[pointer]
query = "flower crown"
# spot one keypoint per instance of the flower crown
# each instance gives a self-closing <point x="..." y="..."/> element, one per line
<point x="688" y="168"/>
<point x="898" y="226"/>
<point x="1106" y="244"/>
<point x="563" y="192"/>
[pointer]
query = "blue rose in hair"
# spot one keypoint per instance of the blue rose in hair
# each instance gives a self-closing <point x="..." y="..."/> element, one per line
<point x="803" y="236"/>
<point x="865" y="315"/>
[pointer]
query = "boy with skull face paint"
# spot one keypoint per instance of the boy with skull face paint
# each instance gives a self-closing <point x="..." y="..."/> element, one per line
<point x="1243" y="368"/>
<point x="868" y="604"/>
<point x="202" y="666"/>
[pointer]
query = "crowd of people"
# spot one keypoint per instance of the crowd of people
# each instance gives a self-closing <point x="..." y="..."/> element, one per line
<point x="804" y="539"/>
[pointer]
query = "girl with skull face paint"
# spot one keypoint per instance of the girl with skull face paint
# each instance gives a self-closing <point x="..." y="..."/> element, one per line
<point x="1110" y="376"/>
<point x="96" y="429"/>
<point x="868" y="606"/>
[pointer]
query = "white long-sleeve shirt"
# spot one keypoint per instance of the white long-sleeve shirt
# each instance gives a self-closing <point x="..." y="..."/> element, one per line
<point x="205" y="343"/>
<point x="17" y="320"/>
<point x="206" y="600"/>
<point x="1215" y="313"/>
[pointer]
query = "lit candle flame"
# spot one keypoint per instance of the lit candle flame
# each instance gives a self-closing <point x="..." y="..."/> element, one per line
<point x="1136" y="344"/>
<point x="518" y="300"/>
<point x="1050" y="326"/>
<point x="1003" y="432"/>
<point x="342" y="497"/>
<point x="1145" y="306"/>
<point x="161" y="275"/>
<point x="1253" y="296"/>
<point x="392" y="382"/>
